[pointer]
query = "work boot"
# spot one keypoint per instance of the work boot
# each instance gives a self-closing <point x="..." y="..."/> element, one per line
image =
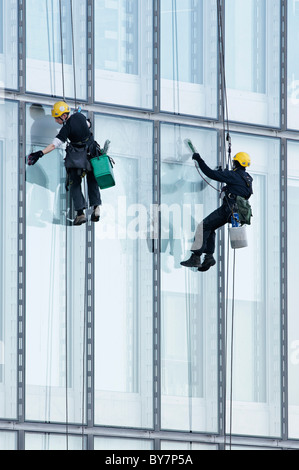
<point x="95" y="216"/>
<point x="193" y="262"/>
<point x="80" y="220"/>
<point x="208" y="262"/>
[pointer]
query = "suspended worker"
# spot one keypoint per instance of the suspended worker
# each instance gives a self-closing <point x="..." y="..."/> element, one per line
<point x="238" y="183"/>
<point x="81" y="145"/>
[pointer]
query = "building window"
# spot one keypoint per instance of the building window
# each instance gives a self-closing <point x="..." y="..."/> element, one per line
<point x="293" y="259"/>
<point x="293" y="67"/>
<point x="256" y="361"/>
<point x="124" y="52"/>
<point x="189" y="318"/>
<point x="123" y="296"/>
<point x="189" y="57"/>
<point x="9" y="44"/>
<point x="8" y="259"/>
<point x="252" y="61"/>
<point x="1" y="27"/>
<point x="47" y="71"/>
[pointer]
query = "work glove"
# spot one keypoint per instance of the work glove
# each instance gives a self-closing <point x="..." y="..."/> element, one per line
<point x="34" y="157"/>
<point x="197" y="157"/>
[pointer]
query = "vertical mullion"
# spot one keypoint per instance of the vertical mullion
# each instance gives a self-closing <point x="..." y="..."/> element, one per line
<point x="157" y="235"/>
<point x="90" y="238"/>
<point x="21" y="230"/>
<point x="221" y="246"/>
<point x="90" y="52"/>
<point x="21" y="269"/>
<point x="284" y="227"/>
<point x="156" y="56"/>
<point x="222" y="317"/>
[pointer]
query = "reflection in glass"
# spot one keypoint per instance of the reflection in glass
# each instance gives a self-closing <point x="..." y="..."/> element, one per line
<point x="9" y="44"/>
<point x="252" y="32"/>
<point x="293" y="64"/>
<point x="124" y="280"/>
<point x="38" y="441"/>
<point x="8" y="259"/>
<point x="55" y="273"/>
<point x="8" y="440"/>
<point x="124" y="52"/>
<point x="256" y="360"/>
<point x="189" y="57"/>
<point x="293" y="259"/>
<point x="106" y="443"/>
<point x="189" y="300"/>
<point x="45" y="64"/>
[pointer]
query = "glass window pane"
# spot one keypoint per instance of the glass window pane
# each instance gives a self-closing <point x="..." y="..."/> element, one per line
<point x="9" y="44"/>
<point x="189" y="57"/>
<point x="55" y="274"/>
<point x="252" y="61"/>
<point x="123" y="276"/>
<point x="44" y="64"/>
<point x="257" y="356"/>
<point x="293" y="64"/>
<point x="124" y="52"/>
<point x="177" y="445"/>
<point x="9" y="152"/>
<point x="188" y="300"/>
<point x="8" y="440"/>
<point x="38" y="441"/>
<point x="293" y="258"/>
<point x="110" y="443"/>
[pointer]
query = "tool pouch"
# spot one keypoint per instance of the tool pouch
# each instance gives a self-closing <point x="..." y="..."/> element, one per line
<point x="76" y="157"/>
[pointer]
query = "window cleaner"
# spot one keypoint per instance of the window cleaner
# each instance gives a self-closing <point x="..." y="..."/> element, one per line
<point x="238" y="184"/>
<point x="80" y="149"/>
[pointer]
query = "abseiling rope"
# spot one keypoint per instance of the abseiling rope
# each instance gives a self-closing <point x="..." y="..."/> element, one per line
<point x="66" y="249"/>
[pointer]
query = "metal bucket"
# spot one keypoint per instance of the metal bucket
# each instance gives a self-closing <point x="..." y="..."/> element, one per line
<point x="238" y="237"/>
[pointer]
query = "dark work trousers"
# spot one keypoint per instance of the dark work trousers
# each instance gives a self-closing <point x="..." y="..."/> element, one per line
<point x="205" y="236"/>
<point x="75" y="181"/>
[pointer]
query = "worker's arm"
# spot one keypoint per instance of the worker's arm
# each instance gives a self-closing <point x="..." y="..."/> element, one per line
<point x="222" y="176"/>
<point x="35" y="156"/>
<point x="49" y="149"/>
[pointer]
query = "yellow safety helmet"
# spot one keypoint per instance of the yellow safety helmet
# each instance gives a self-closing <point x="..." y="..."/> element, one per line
<point x="59" y="109"/>
<point x="243" y="158"/>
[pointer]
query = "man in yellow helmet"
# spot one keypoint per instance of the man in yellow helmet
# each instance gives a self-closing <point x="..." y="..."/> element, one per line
<point x="238" y="183"/>
<point x="76" y="131"/>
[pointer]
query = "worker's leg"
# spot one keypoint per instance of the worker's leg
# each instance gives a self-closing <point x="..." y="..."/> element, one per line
<point x="93" y="190"/>
<point x="75" y="189"/>
<point x="94" y="196"/>
<point x="205" y="236"/>
<point x="77" y="196"/>
<point x="204" y="241"/>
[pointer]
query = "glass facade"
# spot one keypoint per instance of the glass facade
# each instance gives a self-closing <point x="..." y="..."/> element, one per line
<point x="253" y="61"/>
<point x="106" y="342"/>
<point x="9" y="44"/>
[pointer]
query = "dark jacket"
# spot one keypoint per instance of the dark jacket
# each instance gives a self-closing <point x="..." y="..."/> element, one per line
<point x="238" y="182"/>
<point x="75" y="129"/>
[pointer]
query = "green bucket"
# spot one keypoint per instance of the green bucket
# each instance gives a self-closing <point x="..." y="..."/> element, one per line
<point x="103" y="171"/>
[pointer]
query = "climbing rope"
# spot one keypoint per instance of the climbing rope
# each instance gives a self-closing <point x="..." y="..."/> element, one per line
<point x="73" y="51"/>
<point x="66" y="248"/>
<point x="66" y="252"/>
<point x="228" y="151"/>
<point x="224" y="99"/>
<point x="61" y="49"/>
